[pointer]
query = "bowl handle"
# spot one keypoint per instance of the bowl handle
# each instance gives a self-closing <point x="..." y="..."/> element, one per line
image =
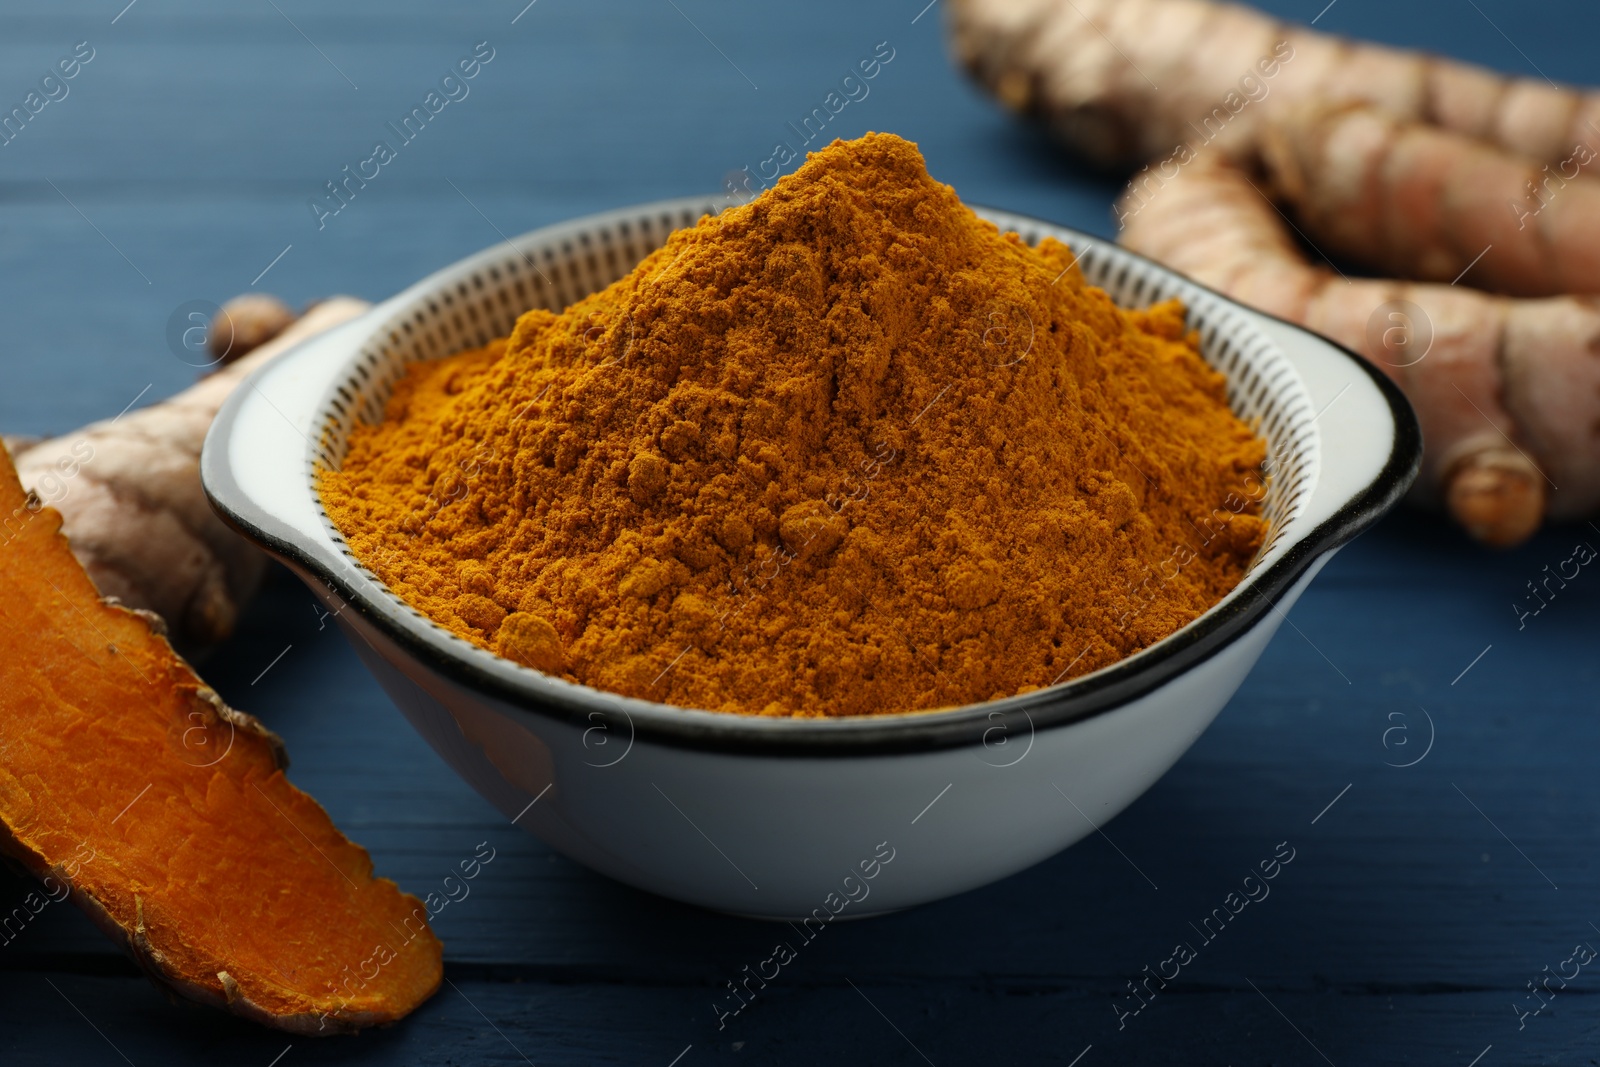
<point x="272" y="414"/>
<point x="1367" y="431"/>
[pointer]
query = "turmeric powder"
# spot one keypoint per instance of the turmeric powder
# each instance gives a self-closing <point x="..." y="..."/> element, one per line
<point x="845" y="449"/>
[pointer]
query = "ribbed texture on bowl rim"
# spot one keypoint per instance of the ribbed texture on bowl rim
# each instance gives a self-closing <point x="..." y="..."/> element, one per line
<point x="479" y="299"/>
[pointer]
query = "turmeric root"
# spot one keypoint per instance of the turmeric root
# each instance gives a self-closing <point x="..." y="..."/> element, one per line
<point x="1419" y="202"/>
<point x="1508" y="391"/>
<point x="128" y="490"/>
<point x="165" y="814"/>
<point x="245" y="323"/>
<point x="1130" y="81"/>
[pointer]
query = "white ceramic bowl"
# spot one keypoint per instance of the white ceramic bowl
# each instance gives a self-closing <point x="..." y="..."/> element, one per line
<point x="792" y="818"/>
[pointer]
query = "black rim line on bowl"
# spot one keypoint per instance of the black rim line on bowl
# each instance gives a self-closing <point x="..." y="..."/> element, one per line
<point x="966" y="725"/>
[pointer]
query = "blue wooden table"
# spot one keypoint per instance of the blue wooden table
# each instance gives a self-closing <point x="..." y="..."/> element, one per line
<point x="1430" y="762"/>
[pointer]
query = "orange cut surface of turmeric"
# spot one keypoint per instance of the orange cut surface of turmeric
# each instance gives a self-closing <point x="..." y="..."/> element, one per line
<point x="168" y="815"/>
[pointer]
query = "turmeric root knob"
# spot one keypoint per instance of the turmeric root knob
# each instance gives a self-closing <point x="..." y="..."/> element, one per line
<point x="1498" y="495"/>
<point x="245" y="323"/>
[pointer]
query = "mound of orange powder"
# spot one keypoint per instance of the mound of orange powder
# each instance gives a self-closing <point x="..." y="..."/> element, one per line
<point x="845" y="449"/>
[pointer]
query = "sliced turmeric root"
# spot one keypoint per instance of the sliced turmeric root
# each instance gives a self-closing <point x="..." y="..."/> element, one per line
<point x="168" y="815"/>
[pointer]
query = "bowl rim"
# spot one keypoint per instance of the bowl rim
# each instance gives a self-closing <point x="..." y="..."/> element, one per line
<point x="1056" y="706"/>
